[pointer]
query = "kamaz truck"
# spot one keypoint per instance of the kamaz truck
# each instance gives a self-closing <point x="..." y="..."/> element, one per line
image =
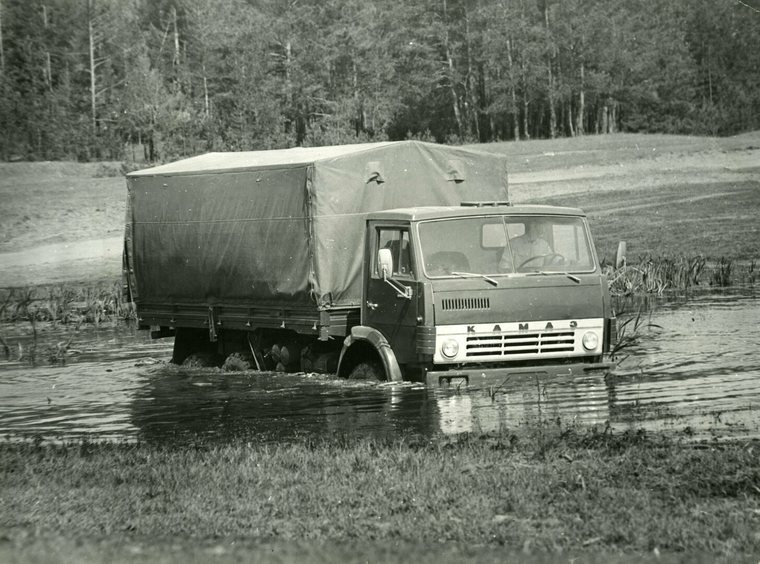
<point x="391" y="261"/>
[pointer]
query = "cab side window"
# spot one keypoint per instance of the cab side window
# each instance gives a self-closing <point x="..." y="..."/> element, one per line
<point x="397" y="240"/>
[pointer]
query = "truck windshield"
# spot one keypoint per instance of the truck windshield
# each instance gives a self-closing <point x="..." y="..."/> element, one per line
<point x="495" y="245"/>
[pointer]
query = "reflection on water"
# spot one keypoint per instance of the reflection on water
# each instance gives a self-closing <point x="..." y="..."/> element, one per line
<point x="524" y="402"/>
<point x="698" y="373"/>
<point x="200" y="403"/>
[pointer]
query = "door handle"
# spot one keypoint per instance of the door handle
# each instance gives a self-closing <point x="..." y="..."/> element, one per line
<point x="372" y="305"/>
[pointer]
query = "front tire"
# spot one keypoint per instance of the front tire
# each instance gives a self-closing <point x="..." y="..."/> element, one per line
<point x="200" y="360"/>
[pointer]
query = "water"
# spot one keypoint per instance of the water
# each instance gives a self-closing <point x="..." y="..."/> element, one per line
<point x="698" y="376"/>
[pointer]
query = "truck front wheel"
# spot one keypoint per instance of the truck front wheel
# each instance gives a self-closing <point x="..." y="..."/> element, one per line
<point x="367" y="371"/>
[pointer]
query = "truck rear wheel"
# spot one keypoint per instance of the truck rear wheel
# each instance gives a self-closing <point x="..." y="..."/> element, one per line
<point x="189" y="342"/>
<point x="367" y="371"/>
<point x="200" y="360"/>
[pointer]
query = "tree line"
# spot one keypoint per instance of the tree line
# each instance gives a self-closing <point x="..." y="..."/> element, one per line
<point x="159" y="79"/>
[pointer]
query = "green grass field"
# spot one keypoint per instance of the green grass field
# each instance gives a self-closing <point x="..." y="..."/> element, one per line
<point x="719" y="221"/>
<point x="541" y="495"/>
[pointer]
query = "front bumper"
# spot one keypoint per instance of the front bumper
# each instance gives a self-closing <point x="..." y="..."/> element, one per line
<point x="489" y="376"/>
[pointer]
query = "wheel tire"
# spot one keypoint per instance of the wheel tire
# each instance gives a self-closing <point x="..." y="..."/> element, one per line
<point x="189" y="341"/>
<point x="199" y="360"/>
<point x="238" y="362"/>
<point x="370" y="371"/>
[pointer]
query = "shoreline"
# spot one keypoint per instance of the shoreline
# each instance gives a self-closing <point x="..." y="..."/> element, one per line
<point x="540" y="491"/>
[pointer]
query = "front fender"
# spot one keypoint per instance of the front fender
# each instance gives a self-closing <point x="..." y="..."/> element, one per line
<point x="378" y="342"/>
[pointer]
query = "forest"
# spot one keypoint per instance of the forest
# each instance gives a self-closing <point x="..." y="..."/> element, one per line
<point x="153" y="80"/>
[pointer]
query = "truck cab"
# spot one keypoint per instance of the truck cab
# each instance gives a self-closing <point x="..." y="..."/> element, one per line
<point x="479" y="291"/>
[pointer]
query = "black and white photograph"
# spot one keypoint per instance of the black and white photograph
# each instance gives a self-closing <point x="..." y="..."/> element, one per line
<point x="379" y="281"/>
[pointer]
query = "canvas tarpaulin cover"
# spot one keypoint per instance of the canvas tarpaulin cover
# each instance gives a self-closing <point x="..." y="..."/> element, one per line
<point x="285" y="227"/>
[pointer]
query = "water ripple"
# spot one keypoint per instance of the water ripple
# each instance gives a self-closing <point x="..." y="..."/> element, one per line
<point x="699" y="372"/>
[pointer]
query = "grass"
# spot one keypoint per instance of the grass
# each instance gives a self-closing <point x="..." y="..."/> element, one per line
<point x="718" y="221"/>
<point x="548" y="490"/>
<point x="655" y="275"/>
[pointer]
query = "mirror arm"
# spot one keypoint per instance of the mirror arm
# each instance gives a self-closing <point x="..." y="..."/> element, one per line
<point x="401" y="290"/>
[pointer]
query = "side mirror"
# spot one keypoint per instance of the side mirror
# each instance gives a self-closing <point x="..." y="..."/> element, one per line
<point x="385" y="263"/>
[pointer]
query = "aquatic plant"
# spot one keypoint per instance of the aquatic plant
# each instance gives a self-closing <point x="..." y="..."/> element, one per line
<point x="721" y="273"/>
<point x="681" y="272"/>
<point x="630" y="330"/>
<point x="655" y="275"/>
<point x="56" y="354"/>
<point x="751" y="272"/>
<point x="65" y="304"/>
<point x="5" y="347"/>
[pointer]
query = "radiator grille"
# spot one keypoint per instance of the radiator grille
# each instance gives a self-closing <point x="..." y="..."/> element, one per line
<point x="459" y="304"/>
<point x="520" y="343"/>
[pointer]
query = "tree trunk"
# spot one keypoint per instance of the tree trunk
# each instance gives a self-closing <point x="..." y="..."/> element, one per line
<point x="450" y="63"/>
<point x="550" y="93"/>
<point x="175" y="58"/>
<point x="471" y="99"/>
<point x="709" y="76"/>
<point x="48" y="67"/>
<point x="453" y="90"/>
<point x="580" y="116"/>
<point x="288" y="71"/>
<point x="290" y="113"/>
<point x="206" y="108"/>
<point x="613" y="117"/>
<point x="552" y="109"/>
<point x="359" y="115"/>
<point x="513" y="93"/>
<point x="2" y="51"/>
<point x="91" y="38"/>
<point x="526" y="130"/>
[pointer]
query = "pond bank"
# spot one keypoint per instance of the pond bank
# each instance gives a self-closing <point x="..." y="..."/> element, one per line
<point x="543" y="490"/>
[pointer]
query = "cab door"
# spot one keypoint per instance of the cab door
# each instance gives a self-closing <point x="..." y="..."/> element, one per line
<point x="385" y="308"/>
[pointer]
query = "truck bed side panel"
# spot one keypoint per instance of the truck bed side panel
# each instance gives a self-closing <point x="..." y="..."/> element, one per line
<point x="235" y="238"/>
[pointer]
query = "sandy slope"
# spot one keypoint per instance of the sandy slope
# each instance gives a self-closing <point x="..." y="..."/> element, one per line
<point x="649" y="173"/>
<point x="89" y="260"/>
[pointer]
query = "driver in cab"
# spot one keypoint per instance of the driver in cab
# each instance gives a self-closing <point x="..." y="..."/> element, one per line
<point x="526" y="249"/>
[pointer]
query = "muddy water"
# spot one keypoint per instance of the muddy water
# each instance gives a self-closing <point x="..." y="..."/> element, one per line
<point x="697" y="375"/>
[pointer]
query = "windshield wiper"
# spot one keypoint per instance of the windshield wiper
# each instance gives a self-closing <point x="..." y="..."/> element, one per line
<point x="474" y="275"/>
<point x="545" y="273"/>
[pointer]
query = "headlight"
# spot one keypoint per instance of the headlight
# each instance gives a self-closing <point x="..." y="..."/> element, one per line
<point x="590" y="341"/>
<point x="449" y="348"/>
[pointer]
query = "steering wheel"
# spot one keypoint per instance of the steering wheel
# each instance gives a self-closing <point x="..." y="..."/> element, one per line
<point x="549" y="256"/>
